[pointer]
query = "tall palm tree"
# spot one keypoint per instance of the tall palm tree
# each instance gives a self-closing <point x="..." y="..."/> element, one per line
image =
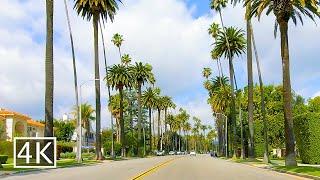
<point x="214" y="30"/>
<point x="126" y="59"/>
<point x="49" y="75"/>
<point x="186" y="128"/>
<point x="97" y="10"/>
<point x="117" y="41"/>
<point x="149" y="98"/>
<point x="142" y="73"/>
<point x="206" y="72"/>
<point x="284" y="10"/>
<point x="235" y="47"/>
<point x="159" y="106"/>
<point x="167" y="103"/>
<point x="119" y="78"/>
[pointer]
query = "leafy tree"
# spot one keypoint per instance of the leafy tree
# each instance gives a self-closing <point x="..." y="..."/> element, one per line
<point x="97" y="10"/>
<point x="117" y="40"/>
<point x="284" y="10"/>
<point x="63" y="130"/>
<point x="126" y="59"/>
<point x="119" y="78"/>
<point x="206" y="72"/>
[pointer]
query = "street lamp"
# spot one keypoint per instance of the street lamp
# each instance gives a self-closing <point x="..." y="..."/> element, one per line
<point x="226" y="132"/>
<point x="80" y="122"/>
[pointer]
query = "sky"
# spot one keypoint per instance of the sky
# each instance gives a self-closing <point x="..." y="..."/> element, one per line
<point x="171" y="35"/>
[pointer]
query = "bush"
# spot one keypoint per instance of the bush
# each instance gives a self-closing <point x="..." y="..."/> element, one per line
<point x="89" y="156"/>
<point x="68" y="155"/>
<point x="307" y="133"/>
<point x="65" y="146"/>
<point x="6" y="147"/>
<point x="3" y="159"/>
<point x="107" y="148"/>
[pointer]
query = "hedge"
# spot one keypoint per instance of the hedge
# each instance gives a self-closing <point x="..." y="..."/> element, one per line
<point x="307" y="133"/>
<point x="6" y="148"/>
<point x="107" y="148"/>
<point x="65" y="146"/>
<point x="3" y="159"/>
<point x="68" y="155"/>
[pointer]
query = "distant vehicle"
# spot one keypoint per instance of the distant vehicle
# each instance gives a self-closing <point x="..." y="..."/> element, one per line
<point x="172" y="153"/>
<point x="179" y="153"/>
<point x="160" y="153"/>
<point x="192" y="153"/>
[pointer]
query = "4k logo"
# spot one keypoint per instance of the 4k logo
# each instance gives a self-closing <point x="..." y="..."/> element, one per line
<point x="35" y="152"/>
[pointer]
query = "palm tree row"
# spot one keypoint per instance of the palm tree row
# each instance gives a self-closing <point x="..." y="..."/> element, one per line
<point x="229" y="42"/>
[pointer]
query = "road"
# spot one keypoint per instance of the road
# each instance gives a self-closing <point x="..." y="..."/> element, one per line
<point x="158" y="168"/>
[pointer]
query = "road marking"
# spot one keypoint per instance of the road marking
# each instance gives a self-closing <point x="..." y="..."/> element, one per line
<point x="155" y="168"/>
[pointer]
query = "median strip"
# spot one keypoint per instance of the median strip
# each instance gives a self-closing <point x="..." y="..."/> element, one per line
<point x="145" y="173"/>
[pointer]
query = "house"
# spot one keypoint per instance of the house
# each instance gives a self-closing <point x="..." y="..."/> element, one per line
<point x="17" y="124"/>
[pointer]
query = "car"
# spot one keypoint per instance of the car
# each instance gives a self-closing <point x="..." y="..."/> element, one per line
<point x="179" y="153"/>
<point x="192" y="153"/>
<point x="172" y="153"/>
<point x="160" y="153"/>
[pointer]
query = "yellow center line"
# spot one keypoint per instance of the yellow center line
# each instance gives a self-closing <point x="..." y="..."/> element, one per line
<point x="155" y="168"/>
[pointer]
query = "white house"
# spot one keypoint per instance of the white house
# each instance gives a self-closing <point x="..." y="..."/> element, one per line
<point x="17" y="124"/>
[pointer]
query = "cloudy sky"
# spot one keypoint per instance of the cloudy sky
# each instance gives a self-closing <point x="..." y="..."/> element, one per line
<point x="169" y="34"/>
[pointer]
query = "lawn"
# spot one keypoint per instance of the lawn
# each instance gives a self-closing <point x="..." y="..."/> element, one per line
<point x="60" y="164"/>
<point x="314" y="171"/>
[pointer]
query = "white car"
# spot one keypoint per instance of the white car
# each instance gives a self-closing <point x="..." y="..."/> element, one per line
<point x="193" y="153"/>
<point x="160" y="153"/>
<point x="172" y="153"/>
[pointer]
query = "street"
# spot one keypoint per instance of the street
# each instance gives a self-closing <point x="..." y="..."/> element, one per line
<point x="158" y="168"/>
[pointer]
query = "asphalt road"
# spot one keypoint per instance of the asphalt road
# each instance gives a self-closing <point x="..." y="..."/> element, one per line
<point x="158" y="168"/>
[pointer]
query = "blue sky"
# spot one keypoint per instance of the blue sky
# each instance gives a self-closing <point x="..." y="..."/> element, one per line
<point x="169" y="34"/>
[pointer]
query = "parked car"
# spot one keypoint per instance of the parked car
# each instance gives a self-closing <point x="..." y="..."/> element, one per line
<point x="193" y="153"/>
<point x="160" y="153"/>
<point x="179" y="153"/>
<point x="172" y="153"/>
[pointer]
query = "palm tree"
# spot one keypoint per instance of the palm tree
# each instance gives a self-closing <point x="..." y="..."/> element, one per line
<point x="149" y="98"/>
<point x="126" y="59"/>
<point x="159" y="106"/>
<point x="49" y="76"/>
<point x="97" y="10"/>
<point x="206" y="72"/>
<point x="237" y="45"/>
<point x="142" y="73"/>
<point x="284" y="10"/>
<point x="167" y="103"/>
<point x="117" y="41"/>
<point x="186" y="128"/>
<point x="214" y="30"/>
<point x="120" y="77"/>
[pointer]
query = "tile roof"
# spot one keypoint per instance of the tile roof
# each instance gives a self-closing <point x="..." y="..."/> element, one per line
<point x="8" y="113"/>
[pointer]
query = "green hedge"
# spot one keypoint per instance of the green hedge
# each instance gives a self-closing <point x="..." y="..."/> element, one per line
<point x="65" y="146"/>
<point x="3" y="159"/>
<point x="307" y="133"/>
<point x="6" y="148"/>
<point x="68" y="155"/>
<point x="107" y="148"/>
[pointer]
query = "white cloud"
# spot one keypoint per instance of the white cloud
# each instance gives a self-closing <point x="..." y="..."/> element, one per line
<point x="161" y="32"/>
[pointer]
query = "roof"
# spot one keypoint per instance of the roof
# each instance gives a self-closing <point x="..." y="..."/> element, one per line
<point x="8" y="113"/>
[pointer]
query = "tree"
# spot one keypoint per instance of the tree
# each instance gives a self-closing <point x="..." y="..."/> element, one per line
<point x="142" y="73"/>
<point x="119" y="78"/>
<point x="230" y="44"/>
<point x="149" y="98"/>
<point x="97" y="10"/>
<point x="159" y="106"/>
<point x="206" y="72"/>
<point x="117" y="41"/>
<point x="63" y="130"/>
<point x="126" y="59"/>
<point x="284" y="10"/>
<point x="49" y="75"/>
<point x="186" y="129"/>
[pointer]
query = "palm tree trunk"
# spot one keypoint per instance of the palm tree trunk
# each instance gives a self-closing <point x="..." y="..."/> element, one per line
<point x="288" y="122"/>
<point x="122" y="138"/>
<point x="159" y="124"/>
<point x="263" y="108"/>
<point x="250" y="87"/>
<point x="119" y="53"/>
<point x="153" y="130"/>
<point x="97" y="87"/>
<point x="108" y="87"/>
<point x="150" y="133"/>
<point x="49" y="76"/>
<point x="233" y="116"/>
<point x="139" y="119"/>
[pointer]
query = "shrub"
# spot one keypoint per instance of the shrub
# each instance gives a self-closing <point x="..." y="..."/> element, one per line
<point x="68" y="155"/>
<point x="65" y="146"/>
<point x="6" y="147"/>
<point x="107" y="148"/>
<point x="3" y="159"/>
<point x="307" y="133"/>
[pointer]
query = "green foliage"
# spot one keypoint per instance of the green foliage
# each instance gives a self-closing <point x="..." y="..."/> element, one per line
<point x="68" y="155"/>
<point x="3" y="159"/>
<point x="307" y="134"/>
<point x="6" y="148"/>
<point x="66" y="146"/>
<point x="63" y="130"/>
<point x="2" y="130"/>
<point x="107" y="148"/>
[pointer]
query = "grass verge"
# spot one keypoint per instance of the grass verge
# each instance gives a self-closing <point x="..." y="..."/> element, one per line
<point x="313" y="171"/>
